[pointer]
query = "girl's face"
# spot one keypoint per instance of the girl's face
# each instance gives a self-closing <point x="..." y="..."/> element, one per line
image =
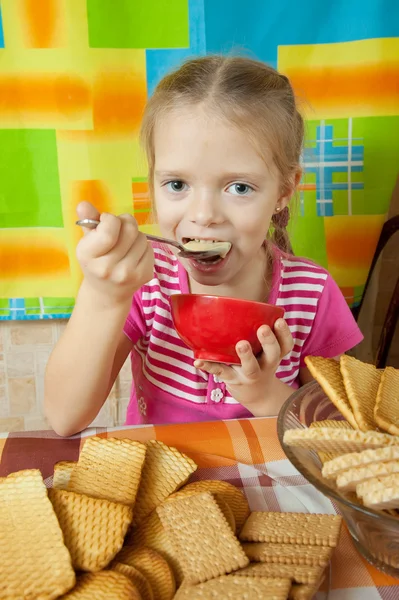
<point x="211" y="184"/>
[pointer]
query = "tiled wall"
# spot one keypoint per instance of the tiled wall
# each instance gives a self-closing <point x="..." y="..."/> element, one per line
<point x="24" y="351"/>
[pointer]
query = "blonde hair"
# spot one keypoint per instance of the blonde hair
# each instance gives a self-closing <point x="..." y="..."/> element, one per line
<point x="248" y="93"/>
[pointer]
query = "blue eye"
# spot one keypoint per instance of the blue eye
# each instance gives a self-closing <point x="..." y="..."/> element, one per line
<point x="176" y="186"/>
<point x="240" y="189"/>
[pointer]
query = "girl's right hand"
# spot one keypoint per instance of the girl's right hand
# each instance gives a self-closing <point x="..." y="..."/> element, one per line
<point x="116" y="257"/>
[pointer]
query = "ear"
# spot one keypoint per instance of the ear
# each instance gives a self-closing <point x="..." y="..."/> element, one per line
<point x="289" y="188"/>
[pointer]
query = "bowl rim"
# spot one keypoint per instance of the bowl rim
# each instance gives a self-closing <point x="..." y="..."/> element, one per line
<point x="324" y="489"/>
<point x="229" y="298"/>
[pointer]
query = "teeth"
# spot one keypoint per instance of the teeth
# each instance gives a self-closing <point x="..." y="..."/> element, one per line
<point x="198" y="241"/>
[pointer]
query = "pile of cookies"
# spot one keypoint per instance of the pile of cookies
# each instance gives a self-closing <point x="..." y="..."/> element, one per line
<point x="124" y="522"/>
<point x="361" y="454"/>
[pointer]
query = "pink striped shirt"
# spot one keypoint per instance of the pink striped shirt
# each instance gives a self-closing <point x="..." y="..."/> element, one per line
<point x="167" y="388"/>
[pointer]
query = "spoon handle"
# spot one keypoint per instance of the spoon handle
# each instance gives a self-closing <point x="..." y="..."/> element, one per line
<point x="92" y="224"/>
<point x="155" y="238"/>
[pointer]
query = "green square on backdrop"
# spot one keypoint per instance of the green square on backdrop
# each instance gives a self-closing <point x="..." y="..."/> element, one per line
<point x="57" y="305"/>
<point x="340" y="202"/>
<point x="4" y="307"/>
<point x="138" y="24"/>
<point x="32" y="303"/>
<point x="30" y="193"/>
<point x="340" y="176"/>
<point x="32" y="306"/>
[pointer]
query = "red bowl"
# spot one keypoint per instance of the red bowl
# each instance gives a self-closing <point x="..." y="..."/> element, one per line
<point x="212" y="325"/>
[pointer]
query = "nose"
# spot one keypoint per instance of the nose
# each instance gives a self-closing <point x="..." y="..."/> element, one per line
<point x="205" y="209"/>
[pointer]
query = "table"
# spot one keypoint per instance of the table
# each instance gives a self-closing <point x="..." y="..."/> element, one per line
<point x="244" y="452"/>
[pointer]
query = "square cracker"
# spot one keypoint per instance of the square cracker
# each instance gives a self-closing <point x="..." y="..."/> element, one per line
<point x="339" y="464"/>
<point x="154" y="567"/>
<point x="292" y="528"/>
<point x="331" y="424"/>
<point x="300" y="574"/>
<point x="62" y="474"/>
<point x="288" y="554"/>
<point x="350" y="479"/>
<point x="109" y="469"/>
<point x="152" y="534"/>
<point x="386" y="410"/>
<point x="382" y="499"/>
<point x="137" y="578"/>
<point x="304" y="591"/>
<point x="93" y="528"/>
<point x="165" y="470"/>
<point x="104" y="585"/>
<point x="340" y="441"/>
<point x="201" y="537"/>
<point x="232" y="495"/>
<point x="327" y="373"/>
<point x="326" y="456"/>
<point x="236" y="588"/>
<point x="361" y="382"/>
<point x="378" y="484"/>
<point x="34" y="562"/>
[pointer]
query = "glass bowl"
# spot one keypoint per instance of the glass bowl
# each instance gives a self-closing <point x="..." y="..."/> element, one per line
<point x="375" y="533"/>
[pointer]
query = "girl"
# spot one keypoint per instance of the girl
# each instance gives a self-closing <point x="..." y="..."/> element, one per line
<point x="223" y="139"/>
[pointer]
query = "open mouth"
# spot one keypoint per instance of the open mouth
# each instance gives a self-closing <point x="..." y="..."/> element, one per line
<point x="221" y="247"/>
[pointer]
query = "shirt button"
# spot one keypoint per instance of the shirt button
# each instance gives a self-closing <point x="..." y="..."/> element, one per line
<point x="216" y="379"/>
<point x="217" y="395"/>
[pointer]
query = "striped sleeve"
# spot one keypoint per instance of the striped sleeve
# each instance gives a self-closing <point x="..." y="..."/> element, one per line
<point x="334" y="330"/>
<point x="135" y="326"/>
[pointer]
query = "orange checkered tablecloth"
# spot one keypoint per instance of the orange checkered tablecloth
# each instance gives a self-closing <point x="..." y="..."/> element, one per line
<point x="244" y="452"/>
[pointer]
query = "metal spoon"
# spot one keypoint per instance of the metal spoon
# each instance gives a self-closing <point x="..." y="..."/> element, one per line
<point x="183" y="252"/>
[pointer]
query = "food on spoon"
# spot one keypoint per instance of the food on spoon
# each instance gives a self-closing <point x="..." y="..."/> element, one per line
<point x="222" y="248"/>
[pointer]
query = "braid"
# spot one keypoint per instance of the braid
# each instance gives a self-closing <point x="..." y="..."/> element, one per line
<point x="280" y="234"/>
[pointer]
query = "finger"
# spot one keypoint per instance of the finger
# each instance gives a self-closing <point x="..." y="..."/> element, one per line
<point x="85" y="210"/>
<point x="250" y="365"/>
<point x="223" y="372"/>
<point x="271" y="348"/>
<point x="103" y="239"/>
<point x="127" y="239"/>
<point x="284" y="337"/>
<point x="137" y="264"/>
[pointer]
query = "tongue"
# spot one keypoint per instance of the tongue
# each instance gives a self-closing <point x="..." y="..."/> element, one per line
<point x="221" y="248"/>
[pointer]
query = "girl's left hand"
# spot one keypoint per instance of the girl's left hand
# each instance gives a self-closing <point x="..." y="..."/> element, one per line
<point x="251" y="383"/>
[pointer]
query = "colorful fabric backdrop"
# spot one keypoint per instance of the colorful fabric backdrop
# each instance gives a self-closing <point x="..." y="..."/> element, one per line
<point x="75" y="75"/>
